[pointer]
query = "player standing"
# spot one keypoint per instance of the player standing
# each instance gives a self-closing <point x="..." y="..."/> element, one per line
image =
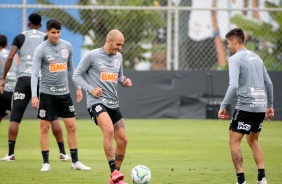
<point x="53" y="58"/>
<point x="249" y="79"/>
<point x="25" y="44"/>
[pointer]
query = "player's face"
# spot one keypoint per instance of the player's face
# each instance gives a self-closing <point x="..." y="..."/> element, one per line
<point x="116" y="45"/>
<point x="53" y="35"/>
<point x="231" y="45"/>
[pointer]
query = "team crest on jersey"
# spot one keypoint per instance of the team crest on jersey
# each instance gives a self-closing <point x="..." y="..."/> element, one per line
<point x="117" y="63"/>
<point x="65" y="53"/>
<point x="42" y="113"/>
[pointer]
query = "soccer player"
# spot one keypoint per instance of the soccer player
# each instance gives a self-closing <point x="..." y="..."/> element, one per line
<point x="53" y="58"/>
<point x="6" y="97"/>
<point x="249" y="79"/>
<point x="25" y="44"/>
<point x="98" y="73"/>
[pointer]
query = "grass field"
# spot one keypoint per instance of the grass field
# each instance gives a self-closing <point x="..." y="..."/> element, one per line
<point x="177" y="151"/>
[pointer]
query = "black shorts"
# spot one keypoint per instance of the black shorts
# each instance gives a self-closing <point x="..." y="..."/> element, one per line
<point x="21" y="98"/>
<point x="6" y="100"/>
<point x="97" y="109"/>
<point x="53" y="106"/>
<point x="246" y="122"/>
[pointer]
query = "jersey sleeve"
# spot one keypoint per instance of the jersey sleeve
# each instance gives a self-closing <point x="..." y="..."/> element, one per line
<point x="80" y="71"/>
<point x="36" y="65"/>
<point x="120" y="74"/>
<point x="234" y="71"/>
<point x="19" y="40"/>
<point x="268" y="87"/>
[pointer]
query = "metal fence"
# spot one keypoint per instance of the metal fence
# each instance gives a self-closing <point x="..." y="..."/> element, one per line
<point x="159" y="34"/>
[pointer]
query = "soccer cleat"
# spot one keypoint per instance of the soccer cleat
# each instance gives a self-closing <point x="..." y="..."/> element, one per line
<point x="263" y="181"/>
<point x="79" y="166"/>
<point x="116" y="182"/>
<point x="242" y="183"/>
<point x="46" y="167"/>
<point x="9" y="158"/>
<point x="65" y="157"/>
<point x="116" y="175"/>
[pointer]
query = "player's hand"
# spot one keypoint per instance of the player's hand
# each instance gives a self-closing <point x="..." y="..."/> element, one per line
<point x="127" y="82"/>
<point x="79" y="95"/>
<point x="35" y="102"/>
<point x="221" y="114"/>
<point x="2" y="86"/>
<point x="97" y="92"/>
<point x="269" y="114"/>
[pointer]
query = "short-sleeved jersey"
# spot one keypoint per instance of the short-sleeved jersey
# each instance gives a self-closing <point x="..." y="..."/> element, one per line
<point x="249" y="78"/>
<point x="56" y="65"/>
<point x="27" y="42"/>
<point x="97" y="68"/>
<point x="13" y="73"/>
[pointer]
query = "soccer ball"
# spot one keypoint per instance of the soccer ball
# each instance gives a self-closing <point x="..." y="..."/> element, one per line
<point x="140" y="174"/>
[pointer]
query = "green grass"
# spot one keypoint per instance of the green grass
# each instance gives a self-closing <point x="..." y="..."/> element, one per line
<point x="177" y="151"/>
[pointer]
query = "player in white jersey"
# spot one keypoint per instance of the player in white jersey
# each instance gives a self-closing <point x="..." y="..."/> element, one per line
<point x="98" y="73"/>
<point x="53" y="58"/>
<point x="248" y="79"/>
<point x="25" y="44"/>
<point x="6" y="97"/>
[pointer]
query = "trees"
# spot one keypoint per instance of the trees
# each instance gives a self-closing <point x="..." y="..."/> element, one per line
<point x="139" y="27"/>
<point x="265" y="38"/>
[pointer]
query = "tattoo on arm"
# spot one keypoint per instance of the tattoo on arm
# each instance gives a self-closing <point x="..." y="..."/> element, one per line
<point x="237" y="159"/>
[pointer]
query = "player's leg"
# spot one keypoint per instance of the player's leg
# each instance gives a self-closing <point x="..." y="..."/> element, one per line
<point x="239" y="126"/>
<point x="21" y="98"/>
<point x="46" y="114"/>
<point x="5" y="107"/>
<point x="121" y="142"/>
<point x="67" y="112"/>
<point x="257" y="151"/>
<point x="58" y="133"/>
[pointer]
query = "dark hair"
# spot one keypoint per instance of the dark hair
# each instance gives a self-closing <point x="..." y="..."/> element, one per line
<point x="34" y="19"/>
<point x="238" y="33"/>
<point x="53" y="23"/>
<point x="3" y="40"/>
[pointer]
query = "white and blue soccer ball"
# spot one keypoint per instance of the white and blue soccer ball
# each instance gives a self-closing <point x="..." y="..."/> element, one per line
<point x="140" y="174"/>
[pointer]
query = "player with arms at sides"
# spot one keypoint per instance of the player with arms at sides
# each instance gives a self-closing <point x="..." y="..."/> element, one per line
<point x="53" y="58"/>
<point x="249" y="79"/>
<point x="98" y="73"/>
<point x="11" y="79"/>
<point x="25" y="43"/>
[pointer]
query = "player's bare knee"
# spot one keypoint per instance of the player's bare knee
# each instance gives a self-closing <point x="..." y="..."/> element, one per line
<point x="44" y="129"/>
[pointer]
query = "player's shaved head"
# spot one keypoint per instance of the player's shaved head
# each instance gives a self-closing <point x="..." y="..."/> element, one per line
<point x="114" y="34"/>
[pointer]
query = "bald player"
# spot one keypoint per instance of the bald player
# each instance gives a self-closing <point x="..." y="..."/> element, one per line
<point x="98" y="73"/>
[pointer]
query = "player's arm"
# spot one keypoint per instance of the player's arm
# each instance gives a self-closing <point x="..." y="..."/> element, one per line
<point x="123" y="81"/>
<point x="83" y="66"/>
<point x="269" y="93"/>
<point x="36" y="65"/>
<point x="234" y="72"/>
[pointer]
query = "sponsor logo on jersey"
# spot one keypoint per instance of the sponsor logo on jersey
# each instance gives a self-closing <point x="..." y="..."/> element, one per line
<point x="71" y="108"/>
<point x="117" y="63"/>
<point x="109" y="101"/>
<point x="58" y="67"/>
<point x="50" y="57"/>
<point x="54" y="89"/>
<point x="108" y="77"/>
<point x="19" y="96"/>
<point x="102" y="65"/>
<point x="98" y="108"/>
<point x="243" y="126"/>
<point x="33" y="35"/>
<point x="65" y="53"/>
<point x="42" y="113"/>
